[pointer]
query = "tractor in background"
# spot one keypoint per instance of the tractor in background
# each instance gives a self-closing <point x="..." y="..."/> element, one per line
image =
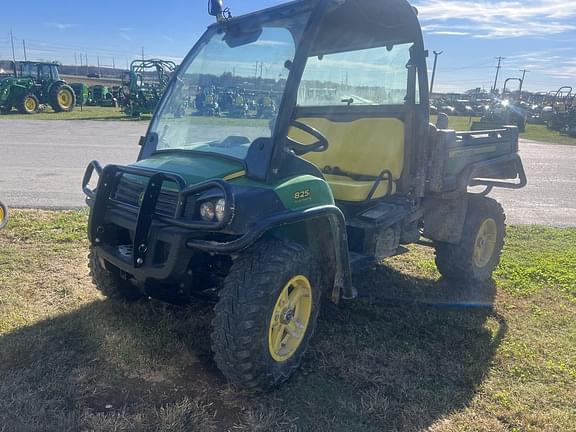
<point x="143" y="85"/>
<point x="82" y="93"/>
<point x="35" y="84"/>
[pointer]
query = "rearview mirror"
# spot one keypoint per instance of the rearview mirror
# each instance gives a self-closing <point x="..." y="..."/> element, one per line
<point x="215" y="7"/>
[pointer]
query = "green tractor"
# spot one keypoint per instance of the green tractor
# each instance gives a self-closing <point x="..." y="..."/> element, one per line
<point x="101" y="96"/>
<point x="143" y="85"/>
<point x="270" y="216"/>
<point x="82" y="93"/>
<point x="35" y="84"/>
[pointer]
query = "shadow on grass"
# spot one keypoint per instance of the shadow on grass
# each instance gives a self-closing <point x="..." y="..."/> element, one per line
<point x="113" y="366"/>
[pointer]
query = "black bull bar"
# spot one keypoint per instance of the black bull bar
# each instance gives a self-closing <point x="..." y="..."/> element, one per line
<point x="107" y="184"/>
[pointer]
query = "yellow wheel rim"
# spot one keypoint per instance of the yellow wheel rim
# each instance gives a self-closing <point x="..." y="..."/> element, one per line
<point x="30" y="104"/>
<point x="485" y="243"/>
<point x="65" y="99"/>
<point x="290" y="318"/>
<point x="2" y="214"/>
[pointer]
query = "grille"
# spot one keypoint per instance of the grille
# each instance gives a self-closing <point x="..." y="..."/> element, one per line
<point x="128" y="192"/>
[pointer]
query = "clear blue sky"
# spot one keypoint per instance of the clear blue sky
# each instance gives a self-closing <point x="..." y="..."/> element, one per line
<point x="538" y="35"/>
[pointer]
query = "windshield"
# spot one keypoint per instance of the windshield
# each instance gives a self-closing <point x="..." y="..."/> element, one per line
<point x="228" y="94"/>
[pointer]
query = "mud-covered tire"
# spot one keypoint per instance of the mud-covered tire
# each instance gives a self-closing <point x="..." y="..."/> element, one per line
<point x="459" y="261"/>
<point x="110" y="284"/>
<point x="244" y="313"/>
<point x="62" y="98"/>
<point x="28" y="104"/>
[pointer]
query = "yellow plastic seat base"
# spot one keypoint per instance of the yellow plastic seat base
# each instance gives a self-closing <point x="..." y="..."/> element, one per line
<point x="347" y="189"/>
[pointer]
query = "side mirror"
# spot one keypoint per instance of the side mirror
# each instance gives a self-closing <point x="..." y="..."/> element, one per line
<point x="215" y="7"/>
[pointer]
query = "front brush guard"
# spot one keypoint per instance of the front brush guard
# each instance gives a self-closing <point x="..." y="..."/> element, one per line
<point x="102" y="198"/>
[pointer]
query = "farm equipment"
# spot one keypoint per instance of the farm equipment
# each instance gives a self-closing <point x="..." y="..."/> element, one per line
<point x="82" y="93"/>
<point x="35" y="84"/>
<point x="270" y="217"/>
<point x="143" y="85"/>
<point x="101" y="96"/>
<point x="505" y="112"/>
<point x="562" y="111"/>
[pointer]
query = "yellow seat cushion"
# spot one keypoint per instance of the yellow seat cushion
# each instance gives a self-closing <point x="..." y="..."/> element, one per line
<point x="347" y="189"/>
<point x="365" y="146"/>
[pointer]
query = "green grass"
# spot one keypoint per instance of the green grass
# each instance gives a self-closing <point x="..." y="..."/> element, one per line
<point x="71" y="360"/>
<point x="87" y="113"/>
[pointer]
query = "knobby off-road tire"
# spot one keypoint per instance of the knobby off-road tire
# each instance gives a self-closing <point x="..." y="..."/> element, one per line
<point x="110" y="284"/>
<point x="242" y="334"/>
<point x="28" y="104"/>
<point x="478" y="253"/>
<point x="62" y="98"/>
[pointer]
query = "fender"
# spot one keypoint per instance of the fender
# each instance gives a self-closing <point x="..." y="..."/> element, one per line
<point x="342" y="287"/>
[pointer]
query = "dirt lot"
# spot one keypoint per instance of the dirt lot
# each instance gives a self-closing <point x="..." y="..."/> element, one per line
<point x="43" y="162"/>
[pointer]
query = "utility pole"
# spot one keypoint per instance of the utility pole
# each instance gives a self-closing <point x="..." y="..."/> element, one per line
<point x="524" y="71"/>
<point x="142" y="53"/>
<point x="86" y="54"/>
<point x="24" y="46"/>
<point x="12" y="40"/>
<point x="75" y="64"/>
<point x="113" y="63"/>
<point x="98" y="60"/>
<point x="436" y="54"/>
<point x="497" y="72"/>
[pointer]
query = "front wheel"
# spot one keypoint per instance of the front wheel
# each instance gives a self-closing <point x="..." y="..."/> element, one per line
<point x="28" y="104"/>
<point x="477" y="254"/>
<point x="266" y="314"/>
<point x="110" y="284"/>
<point x="4" y="215"/>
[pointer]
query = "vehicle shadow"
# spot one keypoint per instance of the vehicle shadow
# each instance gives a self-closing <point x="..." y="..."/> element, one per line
<point x="371" y="366"/>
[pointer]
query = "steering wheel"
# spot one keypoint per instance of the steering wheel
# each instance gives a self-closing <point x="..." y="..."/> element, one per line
<point x="301" y="149"/>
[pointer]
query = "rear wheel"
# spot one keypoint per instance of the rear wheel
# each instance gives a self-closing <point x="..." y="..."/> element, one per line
<point x="28" y="104"/>
<point x="109" y="284"/>
<point x="266" y="314"/>
<point x="478" y="253"/>
<point x="62" y="98"/>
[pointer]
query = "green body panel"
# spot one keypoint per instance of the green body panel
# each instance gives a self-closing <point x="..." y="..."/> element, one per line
<point x="460" y="156"/>
<point x="82" y="94"/>
<point x="193" y="168"/>
<point x="297" y="193"/>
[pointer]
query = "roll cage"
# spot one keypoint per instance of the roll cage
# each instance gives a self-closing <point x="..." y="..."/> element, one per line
<point x="333" y="26"/>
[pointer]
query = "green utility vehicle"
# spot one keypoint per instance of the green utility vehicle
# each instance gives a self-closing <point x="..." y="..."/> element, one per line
<point x="82" y="93"/>
<point x="143" y="85"/>
<point x="35" y="84"/>
<point x="270" y="216"/>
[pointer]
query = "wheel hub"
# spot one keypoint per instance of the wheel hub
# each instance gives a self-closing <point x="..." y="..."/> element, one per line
<point x="485" y="243"/>
<point x="290" y="318"/>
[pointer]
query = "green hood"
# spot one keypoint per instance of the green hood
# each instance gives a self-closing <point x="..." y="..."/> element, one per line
<point x="194" y="168"/>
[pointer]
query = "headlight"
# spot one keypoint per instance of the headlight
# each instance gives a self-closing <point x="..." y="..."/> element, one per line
<point x="207" y="210"/>
<point x="219" y="209"/>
